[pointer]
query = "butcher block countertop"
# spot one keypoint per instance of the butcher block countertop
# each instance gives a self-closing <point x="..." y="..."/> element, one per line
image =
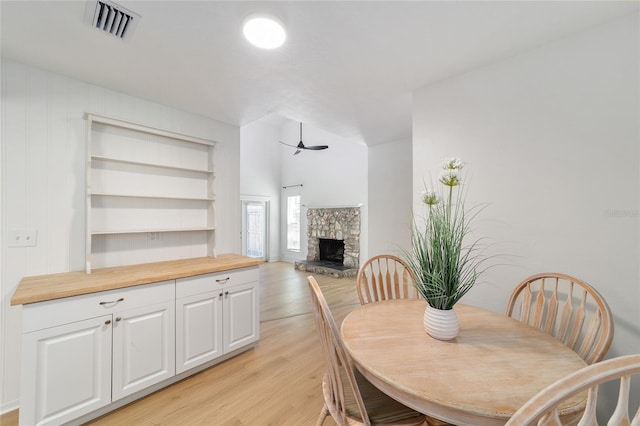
<point x="55" y="286"/>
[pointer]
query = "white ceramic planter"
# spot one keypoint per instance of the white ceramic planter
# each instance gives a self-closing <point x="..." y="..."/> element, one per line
<point x="441" y="325"/>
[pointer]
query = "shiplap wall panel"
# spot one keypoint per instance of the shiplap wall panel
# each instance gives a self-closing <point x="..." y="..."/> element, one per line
<point x="76" y="101"/>
<point x="112" y="249"/>
<point x="109" y="141"/>
<point x="38" y="169"/>
<point x="59" y="202"/>
<point x="113" y="178"/>
<point x="43" y="186"/>
<point x="14" y="206"/>
<point x="128" y="214"/>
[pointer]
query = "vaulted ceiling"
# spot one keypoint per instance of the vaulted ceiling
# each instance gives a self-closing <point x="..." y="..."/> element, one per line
<point x="348" y="67"/>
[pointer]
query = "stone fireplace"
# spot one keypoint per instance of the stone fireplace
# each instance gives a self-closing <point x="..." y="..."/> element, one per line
<point x="339" y="231"/>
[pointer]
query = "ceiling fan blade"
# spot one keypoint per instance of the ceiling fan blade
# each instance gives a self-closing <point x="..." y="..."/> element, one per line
<point x="316" y="147"/>
<point x="297" y="152"/>
<point x="292" y="146"/>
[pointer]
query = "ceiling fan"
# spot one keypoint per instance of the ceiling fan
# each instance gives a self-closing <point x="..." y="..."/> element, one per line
<point x="302" y="146"/>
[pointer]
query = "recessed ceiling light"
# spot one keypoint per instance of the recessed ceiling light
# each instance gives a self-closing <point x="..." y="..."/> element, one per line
<point x="264" y="31"/>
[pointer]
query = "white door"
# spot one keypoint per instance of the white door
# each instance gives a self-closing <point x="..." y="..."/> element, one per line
<point x="254" y="228"/>
<point x="66" y="371"/>
<point x="293" y="224"/>
<point x="143" y="348"/>
<point x="199" y="329"/>
<point x="241" y="320"/>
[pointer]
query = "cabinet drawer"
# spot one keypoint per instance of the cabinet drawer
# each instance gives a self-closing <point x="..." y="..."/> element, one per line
<point x="52" y="313"/>
<point x="208" y="282"/>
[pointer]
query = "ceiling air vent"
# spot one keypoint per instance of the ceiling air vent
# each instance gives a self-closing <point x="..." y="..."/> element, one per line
<point x="111" y="18"/>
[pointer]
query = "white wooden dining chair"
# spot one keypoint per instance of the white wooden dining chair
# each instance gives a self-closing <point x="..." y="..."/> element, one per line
<point x="543" y="408"/>
<point x="567" y="308"/>
<point x="385" y="277"/>
<point x="348" y="396"/>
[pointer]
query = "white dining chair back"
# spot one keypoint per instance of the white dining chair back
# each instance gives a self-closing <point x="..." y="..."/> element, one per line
<point x="385" y="277"/>
<point x="349" y="397"/>
<point x="545" y="408"/>
<point x="567" y="308"/>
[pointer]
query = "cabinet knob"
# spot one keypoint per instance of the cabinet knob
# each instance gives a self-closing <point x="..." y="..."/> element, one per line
<point x="223" y="281"/>
<point x="118" y="319"/>
<point x="220" y="295"/>
<point x="226" y="293"/>
<point x="107" y="322"/>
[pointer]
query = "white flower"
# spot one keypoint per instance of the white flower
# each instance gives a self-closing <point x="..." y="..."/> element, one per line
<point x="453" y="163"/>
<point x="430" y="198"/>
<point x="450" y="177"/>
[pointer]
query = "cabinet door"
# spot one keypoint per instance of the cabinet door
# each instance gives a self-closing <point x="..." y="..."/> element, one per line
<point x="66" y="371"/>
<point x="143" y="348"/>
<point x="198" y="329"/>
<point x="241" y="316"/>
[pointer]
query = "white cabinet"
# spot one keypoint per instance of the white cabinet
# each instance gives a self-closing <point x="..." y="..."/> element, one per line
<point x="81" y="353"/>
<point x="242" y="325"/>
<point x="66" y="371"/>
<point x="149" y="190"/>
<point x="143" y="348"/>
<point x="216" y="314"/>
<point x="199" y="329"/>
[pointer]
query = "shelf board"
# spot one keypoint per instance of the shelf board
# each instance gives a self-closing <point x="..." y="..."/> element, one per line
<point x="141" y="163"/>
<point x="111" y="121"/>
<point x="144" y="231"/>
<point x="157" y="197"/>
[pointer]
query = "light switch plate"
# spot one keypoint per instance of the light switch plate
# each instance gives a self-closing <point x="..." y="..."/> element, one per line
<point x="23" y="237"/>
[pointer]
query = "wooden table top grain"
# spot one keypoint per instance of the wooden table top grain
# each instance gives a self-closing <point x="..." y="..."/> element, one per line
<point x="481" y="377"/>
<point x="55" y="286"/>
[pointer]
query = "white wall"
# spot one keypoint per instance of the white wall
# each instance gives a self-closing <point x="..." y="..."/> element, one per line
<point x="390" y="189"/>
<point x="43" y="182"/>
<point x="260" y="174"/>
<point x="335" y="177"/>
<point x="551" y="139"/>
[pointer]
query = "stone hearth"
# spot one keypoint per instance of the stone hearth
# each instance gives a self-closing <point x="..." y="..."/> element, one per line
<point x="341" y="223"/>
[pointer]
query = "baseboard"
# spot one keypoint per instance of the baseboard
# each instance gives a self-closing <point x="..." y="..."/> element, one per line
<point x="289" y="259"/>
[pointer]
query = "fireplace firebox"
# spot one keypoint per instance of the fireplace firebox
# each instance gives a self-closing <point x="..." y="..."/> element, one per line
<point x="331" y="250"/>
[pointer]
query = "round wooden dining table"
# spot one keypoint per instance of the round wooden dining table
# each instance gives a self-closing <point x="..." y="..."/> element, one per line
<point x="481" y="377"/>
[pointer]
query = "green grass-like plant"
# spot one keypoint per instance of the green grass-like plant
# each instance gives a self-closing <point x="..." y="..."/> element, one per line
<point x="444" y="268"/>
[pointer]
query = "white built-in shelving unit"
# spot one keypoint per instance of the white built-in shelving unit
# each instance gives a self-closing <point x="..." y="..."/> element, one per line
<point x="149" y="192"/>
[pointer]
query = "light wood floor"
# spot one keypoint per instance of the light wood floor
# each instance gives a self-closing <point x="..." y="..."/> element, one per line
<point x="276" y="383"/>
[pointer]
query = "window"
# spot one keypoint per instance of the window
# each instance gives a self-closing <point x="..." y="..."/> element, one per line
<point x="293" y="223"/>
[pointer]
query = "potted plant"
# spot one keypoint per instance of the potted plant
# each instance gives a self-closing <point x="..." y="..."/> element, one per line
<point x="444" y="263"/>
